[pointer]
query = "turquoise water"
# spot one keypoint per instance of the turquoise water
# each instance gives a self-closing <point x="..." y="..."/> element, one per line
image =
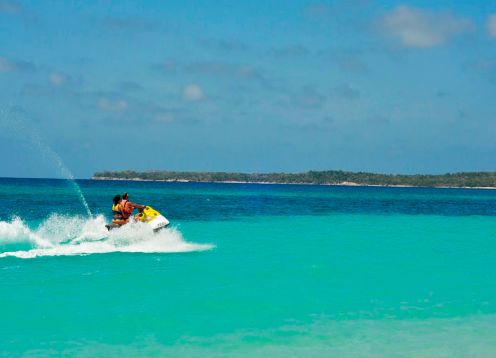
<point x="248" y="270"/>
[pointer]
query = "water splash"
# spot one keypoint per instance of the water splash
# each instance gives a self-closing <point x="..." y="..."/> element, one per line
<point x="19" y="125"/>
<point x="62" y="235"/>
<point x="64" y="171"/>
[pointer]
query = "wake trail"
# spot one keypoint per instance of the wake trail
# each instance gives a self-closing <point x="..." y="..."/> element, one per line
<point x="60" y="235"/>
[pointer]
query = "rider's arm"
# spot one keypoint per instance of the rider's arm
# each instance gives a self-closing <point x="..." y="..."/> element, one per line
<point x="138" y="206"/>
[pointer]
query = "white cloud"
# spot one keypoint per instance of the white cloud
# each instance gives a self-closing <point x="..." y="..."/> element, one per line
<point x="9" y="65"/>
<point x="308" y="98"/>
<point x="10" y="7"/>
<point x="483" y="65"/>
<point x="165" y="117"/>
<point x="57" y="79"/>
<point x="491" y="25"/>
<point x="115" y="106"/>
<point x="193" y="92"/>
<point x="419" y="28"/>
<point x="6" y="65"/>
<point x="347" y="92"/>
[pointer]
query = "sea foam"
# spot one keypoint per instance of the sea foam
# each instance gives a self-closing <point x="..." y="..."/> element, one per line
<point x="60" y="235"/>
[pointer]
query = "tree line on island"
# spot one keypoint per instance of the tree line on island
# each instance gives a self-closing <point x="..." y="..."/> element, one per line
<point x="330" y="177"/>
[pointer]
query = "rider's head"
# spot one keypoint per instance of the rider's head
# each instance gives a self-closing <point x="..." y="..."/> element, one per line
<point x="117" y="199"/>
<point x="124" y="196"/>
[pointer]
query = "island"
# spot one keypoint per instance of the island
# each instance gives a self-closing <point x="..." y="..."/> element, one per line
<point x="328" y="177"/>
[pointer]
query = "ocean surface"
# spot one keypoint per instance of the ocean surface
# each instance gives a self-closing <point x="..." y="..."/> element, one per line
<point x="247" y="270"/>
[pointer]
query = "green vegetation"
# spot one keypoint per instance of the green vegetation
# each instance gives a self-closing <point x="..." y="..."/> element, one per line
<point x="472" y="179"/>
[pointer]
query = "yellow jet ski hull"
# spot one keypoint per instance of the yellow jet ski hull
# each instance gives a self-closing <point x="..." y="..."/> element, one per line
<point x="151" y="216"/>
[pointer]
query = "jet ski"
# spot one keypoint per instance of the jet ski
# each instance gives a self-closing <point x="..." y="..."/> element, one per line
<point x="149" y="216"/>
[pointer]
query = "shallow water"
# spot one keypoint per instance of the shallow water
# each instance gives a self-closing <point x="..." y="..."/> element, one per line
<point x="248" y="270"/>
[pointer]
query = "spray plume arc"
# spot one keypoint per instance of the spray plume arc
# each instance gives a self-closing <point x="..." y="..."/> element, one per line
<point x="18" y="124"/>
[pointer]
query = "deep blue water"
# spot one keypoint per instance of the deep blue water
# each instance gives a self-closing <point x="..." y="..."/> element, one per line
<point x="215" y="201"/>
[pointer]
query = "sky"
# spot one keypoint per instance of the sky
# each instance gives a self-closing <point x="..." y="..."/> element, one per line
<point x="249" y="86"/>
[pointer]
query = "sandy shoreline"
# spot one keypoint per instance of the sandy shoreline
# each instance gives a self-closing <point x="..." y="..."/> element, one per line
<point x="345" y="183"/>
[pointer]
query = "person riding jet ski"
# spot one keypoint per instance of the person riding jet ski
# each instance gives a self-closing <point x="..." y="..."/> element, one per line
<point x="127" y="207"/>
<point x="118" y="218"/>
<point x="122" y="209"/>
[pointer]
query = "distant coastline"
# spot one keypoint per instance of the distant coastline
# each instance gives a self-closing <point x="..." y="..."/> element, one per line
<point x="468" y="180"/>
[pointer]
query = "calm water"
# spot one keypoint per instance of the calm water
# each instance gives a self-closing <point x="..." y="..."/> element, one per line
<point x="248" y="270"/>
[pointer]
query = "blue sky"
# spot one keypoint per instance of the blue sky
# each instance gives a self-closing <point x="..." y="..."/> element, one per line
<point x="253" y="86"/>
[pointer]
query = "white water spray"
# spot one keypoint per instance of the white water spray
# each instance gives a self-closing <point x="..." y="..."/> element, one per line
<point x="66" y="173"/>
<point x="61" y="235"/>
<point x="19" y="125"/>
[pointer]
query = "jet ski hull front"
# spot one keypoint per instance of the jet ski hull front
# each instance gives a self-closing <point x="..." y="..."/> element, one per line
<point x="159" y="223"/>
<point x="150" y="217"/>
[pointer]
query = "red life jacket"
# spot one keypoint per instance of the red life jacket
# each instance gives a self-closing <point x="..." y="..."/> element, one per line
<point x="126" y="212"/>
